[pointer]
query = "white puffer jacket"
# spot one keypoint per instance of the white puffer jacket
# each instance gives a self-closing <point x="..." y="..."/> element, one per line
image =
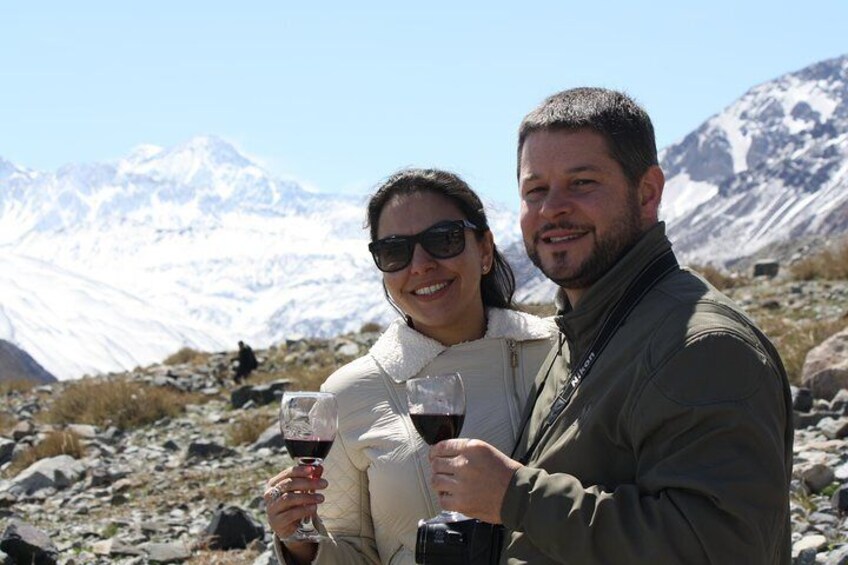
<point x="378" y="470"/>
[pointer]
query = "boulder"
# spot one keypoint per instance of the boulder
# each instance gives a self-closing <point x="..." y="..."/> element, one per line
<point x="802" y="399"/>
<point x="825" y="369"/>
<point x="207" y="450"/>
<point x="57" y="472"/>
<point x="27" y="544"/>
<point x="232" y="528"/>
<point x="7" y="447"/>
<point x="766" y="268"/>
<point x="261" y="395"/>
<point x="271" y="438"/>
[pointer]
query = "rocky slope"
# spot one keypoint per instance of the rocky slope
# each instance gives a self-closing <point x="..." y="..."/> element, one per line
<point x="163" y="492"/>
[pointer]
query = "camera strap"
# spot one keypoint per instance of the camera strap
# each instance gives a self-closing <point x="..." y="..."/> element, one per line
<point x="650" y="275"/>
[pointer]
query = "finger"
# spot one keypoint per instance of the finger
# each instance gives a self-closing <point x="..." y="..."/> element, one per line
<point x="290" y="484"/>
<point x="447" y="448"/>
<point x="285" y="523"/>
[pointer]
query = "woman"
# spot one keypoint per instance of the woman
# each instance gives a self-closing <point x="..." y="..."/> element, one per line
<point x="443" y="273"/>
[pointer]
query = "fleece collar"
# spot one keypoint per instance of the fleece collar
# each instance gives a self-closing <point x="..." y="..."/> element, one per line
<point x="403" y="352"/>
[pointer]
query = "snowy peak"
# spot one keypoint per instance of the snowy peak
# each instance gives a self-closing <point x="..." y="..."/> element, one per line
<point x="769" y="167"/>
<point x="194" y="162"/>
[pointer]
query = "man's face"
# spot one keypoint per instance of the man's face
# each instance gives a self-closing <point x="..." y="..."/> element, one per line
<point x="579" y="213"/>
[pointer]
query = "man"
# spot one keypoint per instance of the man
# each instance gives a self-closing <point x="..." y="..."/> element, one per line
<point x="246" y="362"/>
<point x="675" y="441"/>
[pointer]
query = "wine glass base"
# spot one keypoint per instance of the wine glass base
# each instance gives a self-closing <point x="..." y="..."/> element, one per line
<point x="299" y="536"/>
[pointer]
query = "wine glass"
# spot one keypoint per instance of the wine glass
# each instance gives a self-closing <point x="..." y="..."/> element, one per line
<point x="308" y="421"/>
<point x="437" y="410"/>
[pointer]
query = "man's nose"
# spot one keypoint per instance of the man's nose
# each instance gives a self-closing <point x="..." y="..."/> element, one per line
<point x="558" y="201"/>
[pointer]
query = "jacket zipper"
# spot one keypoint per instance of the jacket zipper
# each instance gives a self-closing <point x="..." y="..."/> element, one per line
<point x="513" y="354"/>
<point x="514" y="385"/>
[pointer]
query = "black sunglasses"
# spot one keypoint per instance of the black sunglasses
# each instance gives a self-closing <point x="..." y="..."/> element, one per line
<point x="443" y="241"/>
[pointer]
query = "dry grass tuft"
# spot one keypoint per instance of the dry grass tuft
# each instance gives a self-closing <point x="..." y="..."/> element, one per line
<point x="370" y="327"/>
<point x="7" y="422"/>
<point x="16" y="385"/>
<point x="120" y="403"/>
<point x="795" y="338"/>
<point x="829" y="264"/>
<point x="247" y="429"/>
<point x="186" y="355"/>
<point x="720" y="279"/>
<point x="56" y="443"/>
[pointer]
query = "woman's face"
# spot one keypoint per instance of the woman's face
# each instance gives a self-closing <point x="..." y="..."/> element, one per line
<point x="442" y="296"/>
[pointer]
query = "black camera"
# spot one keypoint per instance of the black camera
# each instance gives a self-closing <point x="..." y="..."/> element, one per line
<point x="458" y="543"/>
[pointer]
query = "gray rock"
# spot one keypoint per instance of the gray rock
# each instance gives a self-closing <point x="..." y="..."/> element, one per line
<point x="817" y="476"/>
<point x="166" y="552"/>
<point x="833" y="429"/>
<point x="840" y="401"/>
<point x="7" y="447"/>
<point x="207" y="450"/>
<point x="766" y="268"/>
<point x="27" y="544"/>
<point x="803" y="421"/>
<point x="22" y="430"/>
<point x="839" y="500"/>
<point x="232" y="528"/>
<point x="55" y="472"/>
<point x="825" y="369"/>
<point x="802" y="399"/>
<point x="261" y="395"/>
<point x="114" y="547"/>
<point x="271" y="438"/>
<point x="838" y="556"/>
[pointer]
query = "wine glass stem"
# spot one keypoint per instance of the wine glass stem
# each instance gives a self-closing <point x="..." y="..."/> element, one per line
<point x="306" y="525"/>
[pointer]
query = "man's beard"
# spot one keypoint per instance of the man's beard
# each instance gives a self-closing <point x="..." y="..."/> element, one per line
<point x="606" y="253"/>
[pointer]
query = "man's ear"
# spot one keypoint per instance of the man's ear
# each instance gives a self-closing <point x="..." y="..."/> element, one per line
<point x="650" y="194"/>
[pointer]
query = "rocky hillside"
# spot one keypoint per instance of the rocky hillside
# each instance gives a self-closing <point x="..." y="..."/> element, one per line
<point x="186" y="487"/>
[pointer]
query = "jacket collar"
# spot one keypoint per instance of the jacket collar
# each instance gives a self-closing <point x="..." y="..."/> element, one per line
<point x="580" y="324"/>
<point x="403" y="352"/>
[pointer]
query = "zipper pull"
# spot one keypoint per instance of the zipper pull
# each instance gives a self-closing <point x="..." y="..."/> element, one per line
<point x="513" y="353"/>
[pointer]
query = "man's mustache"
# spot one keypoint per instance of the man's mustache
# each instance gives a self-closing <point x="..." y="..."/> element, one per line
<point x="562" y="225"/>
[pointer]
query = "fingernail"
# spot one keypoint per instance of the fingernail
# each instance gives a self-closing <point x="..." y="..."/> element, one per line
<point x="320" y="497"/>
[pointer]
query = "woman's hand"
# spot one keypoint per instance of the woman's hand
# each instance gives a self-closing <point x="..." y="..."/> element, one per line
<point x="289" y="498"/>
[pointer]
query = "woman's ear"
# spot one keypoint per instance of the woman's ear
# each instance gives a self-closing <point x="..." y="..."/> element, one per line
<point x="487" y="251"/>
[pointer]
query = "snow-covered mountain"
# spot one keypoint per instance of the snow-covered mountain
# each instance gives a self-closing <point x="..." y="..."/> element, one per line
<point x="107" y="266"/>
<point x="772" y="166"/>
<point x="194" y="245"/>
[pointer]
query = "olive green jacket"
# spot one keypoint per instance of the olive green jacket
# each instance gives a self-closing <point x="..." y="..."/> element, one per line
<point x="677" y="446"/>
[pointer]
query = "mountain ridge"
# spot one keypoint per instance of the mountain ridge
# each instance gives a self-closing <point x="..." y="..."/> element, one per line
<point x="213" y="244"/>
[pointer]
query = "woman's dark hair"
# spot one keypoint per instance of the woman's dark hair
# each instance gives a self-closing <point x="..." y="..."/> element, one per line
<point x="498" y="285"/>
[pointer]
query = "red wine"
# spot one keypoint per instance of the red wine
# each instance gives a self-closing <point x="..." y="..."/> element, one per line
<point x="311" y="448"/>
<point x="433" y="428"/>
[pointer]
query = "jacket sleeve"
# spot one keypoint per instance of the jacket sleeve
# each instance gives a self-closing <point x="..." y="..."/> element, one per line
<point x="711" y="479"/>
<point x="345" y="516"/>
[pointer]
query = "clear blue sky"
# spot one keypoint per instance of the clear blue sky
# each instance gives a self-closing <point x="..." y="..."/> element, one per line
<point x="339" y="94"/>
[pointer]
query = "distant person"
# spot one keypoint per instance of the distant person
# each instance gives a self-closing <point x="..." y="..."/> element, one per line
<point x="442" y="271"/>
<point x="245" y="362"/>
<point x="662" y="428"/>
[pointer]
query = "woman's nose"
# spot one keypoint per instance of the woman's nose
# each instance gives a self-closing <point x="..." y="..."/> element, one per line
<point x="421" y="260"/>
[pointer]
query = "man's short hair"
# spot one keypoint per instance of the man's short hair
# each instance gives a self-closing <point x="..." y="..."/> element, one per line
<point x="624" y="125"/>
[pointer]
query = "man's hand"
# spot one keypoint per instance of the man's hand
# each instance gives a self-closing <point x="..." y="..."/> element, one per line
<point x="471" y="477"/>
